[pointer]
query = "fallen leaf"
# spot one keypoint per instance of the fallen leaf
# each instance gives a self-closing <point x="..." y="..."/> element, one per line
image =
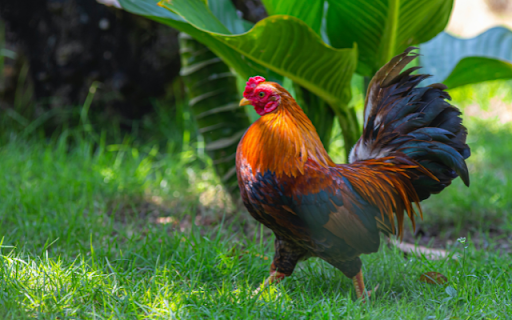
<point x="433" y="277"/>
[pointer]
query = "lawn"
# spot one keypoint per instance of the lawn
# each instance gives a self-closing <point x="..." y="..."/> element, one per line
<point x="97" y="230"/>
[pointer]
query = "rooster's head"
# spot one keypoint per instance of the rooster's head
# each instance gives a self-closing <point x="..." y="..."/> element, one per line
<point x="264" y="96"/>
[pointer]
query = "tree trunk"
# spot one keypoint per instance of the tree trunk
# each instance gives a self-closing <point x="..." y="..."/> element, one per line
<point x="349" y="129"/>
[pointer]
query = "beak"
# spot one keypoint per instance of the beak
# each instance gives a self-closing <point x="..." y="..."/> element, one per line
<point x="244" y="102"/>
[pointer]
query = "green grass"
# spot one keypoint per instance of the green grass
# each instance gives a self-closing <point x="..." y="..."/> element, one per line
<point x="91" y="230"/>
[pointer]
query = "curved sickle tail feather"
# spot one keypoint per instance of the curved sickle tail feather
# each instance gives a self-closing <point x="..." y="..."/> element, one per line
<point x="405" y="121"/>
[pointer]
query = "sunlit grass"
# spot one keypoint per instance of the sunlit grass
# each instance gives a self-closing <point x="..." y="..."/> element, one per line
<point x="200" y="276"/>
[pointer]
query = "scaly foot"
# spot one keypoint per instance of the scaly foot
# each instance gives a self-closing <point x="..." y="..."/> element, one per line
<point x="360" y="289"/>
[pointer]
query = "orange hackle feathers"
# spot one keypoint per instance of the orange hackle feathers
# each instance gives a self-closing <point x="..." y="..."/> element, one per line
<point x="282" y="141"/>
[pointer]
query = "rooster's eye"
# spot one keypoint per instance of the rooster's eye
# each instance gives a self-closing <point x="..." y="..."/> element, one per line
<point x="262" y="94"/>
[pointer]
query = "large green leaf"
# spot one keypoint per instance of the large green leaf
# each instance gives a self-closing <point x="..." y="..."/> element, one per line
<point x="455" y="61"/>
<point x="285" y="45"/>
<point x="384" y="28"/>
<point x="478" y="69"/>
<point x="309" y="11"/>
<point x="226" y="13"/>
<point x="231" y="57"/>
<point x="149" y="8"/>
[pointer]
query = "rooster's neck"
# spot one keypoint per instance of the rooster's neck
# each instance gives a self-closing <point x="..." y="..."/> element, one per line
<point x="282" y="142"/>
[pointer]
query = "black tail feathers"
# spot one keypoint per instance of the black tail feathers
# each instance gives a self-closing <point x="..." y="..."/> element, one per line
<point x="418" y="122"/>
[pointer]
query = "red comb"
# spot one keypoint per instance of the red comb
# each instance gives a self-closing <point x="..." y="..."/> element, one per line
<point x="252" y="83"/>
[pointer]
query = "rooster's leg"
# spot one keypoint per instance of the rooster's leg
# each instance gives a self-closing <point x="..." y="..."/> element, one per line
<point x="358" y="281"/>
<point x="359" y="286"/>
<point x="285" y="259"/>
<point x="352" y="269"/>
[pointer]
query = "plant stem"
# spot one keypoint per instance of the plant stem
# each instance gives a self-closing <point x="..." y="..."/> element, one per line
<point x="349" y="129"/>
<point x="388" y="45"/>
<point x="318" y="111"/>
<point x="366" y="83"/>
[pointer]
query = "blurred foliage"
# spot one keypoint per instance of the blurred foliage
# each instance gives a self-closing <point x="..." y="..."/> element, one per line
<point x="213" y="95"/>
<point x="487" y="112"/>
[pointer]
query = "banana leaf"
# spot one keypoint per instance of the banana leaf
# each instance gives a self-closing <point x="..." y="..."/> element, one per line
<point x="384" y="28"/>
<point x="456" y="61"/>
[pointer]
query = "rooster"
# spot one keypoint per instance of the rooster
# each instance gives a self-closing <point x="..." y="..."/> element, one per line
<point x="413" y="145"/>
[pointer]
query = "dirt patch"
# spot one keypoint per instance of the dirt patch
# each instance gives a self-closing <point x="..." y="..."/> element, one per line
<point x="182" y="215"/>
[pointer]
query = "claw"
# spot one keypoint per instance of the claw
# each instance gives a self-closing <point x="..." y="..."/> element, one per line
<point x="275" y="277"/>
